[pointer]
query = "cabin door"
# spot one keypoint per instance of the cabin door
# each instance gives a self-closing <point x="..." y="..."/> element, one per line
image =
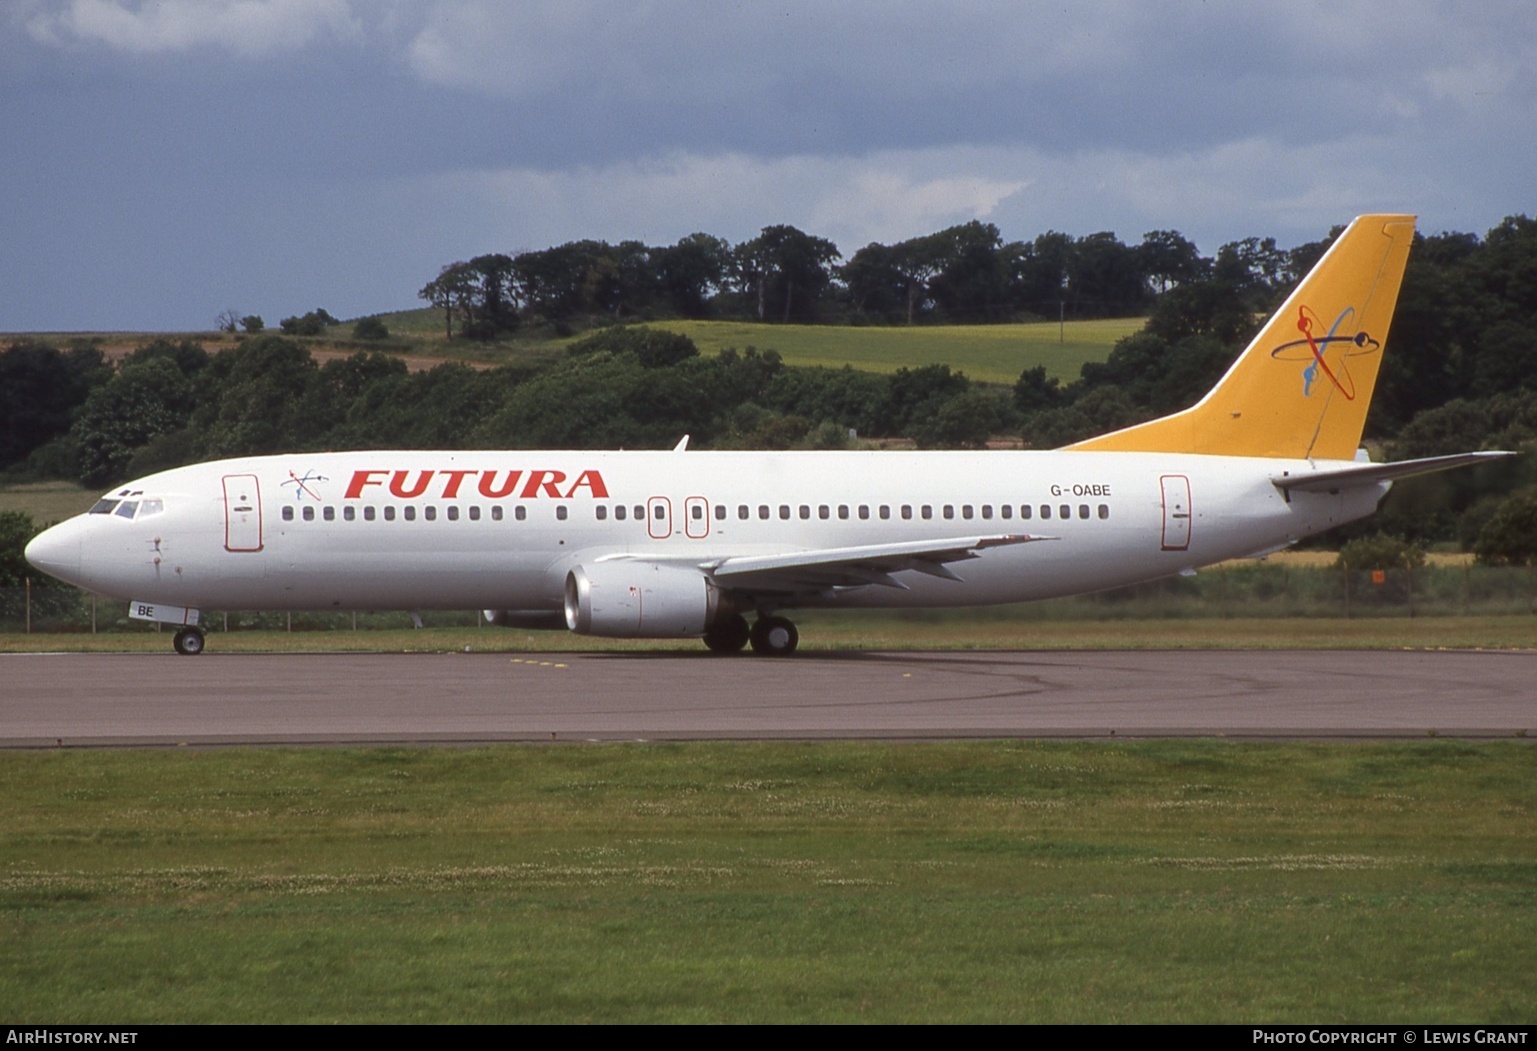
<point x="242" y="513"/>
<point x="1176" y="512"/>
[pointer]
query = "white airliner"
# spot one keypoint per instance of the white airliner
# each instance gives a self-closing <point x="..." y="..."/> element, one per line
<point x="688" y="544"/>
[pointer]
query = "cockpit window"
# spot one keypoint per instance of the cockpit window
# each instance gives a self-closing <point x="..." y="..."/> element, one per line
<point x="150" y="507"/>
<point x="103" y="507"/>
<point x="127" y="508"/>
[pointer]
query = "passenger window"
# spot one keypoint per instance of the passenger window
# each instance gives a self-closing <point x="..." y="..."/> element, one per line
<point x="742" y="511"/>
<point x="886" y="511"/>
<point x="328" y="513"/>
<point x="949" y="511"/>
<point x="496" y="512"/>
<point x="987" y="510"/>
<point x="864" y="512"/>
<point x="720" y="512"/>
<point x="696" y="512"/>
<point x="1045" y="512"/>
<point x="560" y="512"/>
<point x="602" y="512"/>
<point x="965" y="510"/>
<point x="824" y="512"/>
<point x="474" y="512"/>
<point x="1065" y="511"/>
<point x="368" y="513"/>
<point x="907" y="510"/>
<point x="843" y="510"/>
<point x="784" y="511"/>
<point x="620" y="511"/>
<point x="409" y="511"/>
<point x="288" y="513"/>
<point x="309" y="514"/>
<point x="430" y="513"/>
<point x="640" y="513"/>
<point x="1083" y="510"/>
<point x="928" y="511"/>
<point x="520" y="512"/>
<point x="453" y="513"/>
<point x="1104" y="511"/>
<point x="389" y="514"/>
<point x="1024" y="511"/>
<point x="660" y="512"/>
<point x="350" y="513"/>
<point x="1004" y="511"/>
<point x="763" y="511"/>
<point x="805" y="511"/>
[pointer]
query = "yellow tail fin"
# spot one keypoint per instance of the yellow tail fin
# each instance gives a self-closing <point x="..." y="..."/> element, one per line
<point x="1302" y="388"/>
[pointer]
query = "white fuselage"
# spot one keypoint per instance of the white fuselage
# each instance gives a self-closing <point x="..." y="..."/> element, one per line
<point x="501" y="530"/>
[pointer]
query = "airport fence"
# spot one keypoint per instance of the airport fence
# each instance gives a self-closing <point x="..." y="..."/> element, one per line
<point x="1251" y="590"/>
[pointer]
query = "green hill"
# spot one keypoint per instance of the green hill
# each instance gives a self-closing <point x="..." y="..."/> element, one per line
<point x="994" y="353"/>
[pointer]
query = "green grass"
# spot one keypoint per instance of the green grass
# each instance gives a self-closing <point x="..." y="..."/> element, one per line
<point x="994" y="353"/>
<point x="1003" y="881"/>
<point x="47" y="502"/>
<point x="919" y="630"/>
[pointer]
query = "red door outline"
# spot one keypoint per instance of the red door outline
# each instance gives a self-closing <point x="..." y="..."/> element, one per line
<point x="242" y="513"/>
<point x="1176" y="512"/>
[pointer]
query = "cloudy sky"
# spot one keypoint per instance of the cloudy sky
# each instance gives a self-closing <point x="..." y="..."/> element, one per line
<point x="162" y="160"/>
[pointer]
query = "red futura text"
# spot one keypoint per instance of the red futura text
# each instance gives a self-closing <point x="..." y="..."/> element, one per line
<point x="493" y="485"/>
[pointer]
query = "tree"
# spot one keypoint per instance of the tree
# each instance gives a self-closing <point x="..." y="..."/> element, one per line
<point x="786" y="266"/>
<point x="691" y="271"/>
<point x="371" y="328"/>
<point x="310" y="324"/>
<point x="1510" y="536"/>
<point x="40" y="387"/>
<point x="963" y="272"/>
<point x="1168" y="258"/>
<point x="252" y="323"/>
<point x="143" y="401"/>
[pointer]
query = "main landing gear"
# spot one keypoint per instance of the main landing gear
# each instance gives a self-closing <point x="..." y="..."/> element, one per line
<point x="770" y="636"/>
<point x="189" y="642"/>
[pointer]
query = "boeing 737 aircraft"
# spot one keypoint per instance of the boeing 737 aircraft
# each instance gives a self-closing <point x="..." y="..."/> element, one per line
<point x="689" y="544"/>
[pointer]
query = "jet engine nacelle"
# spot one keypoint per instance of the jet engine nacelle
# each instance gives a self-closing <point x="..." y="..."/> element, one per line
<point x="629" y="599"/>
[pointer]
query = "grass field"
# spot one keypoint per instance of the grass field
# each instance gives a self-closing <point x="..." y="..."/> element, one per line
<point x="47" y="502"/>
<point x="995" y="353"/>
<point x="917" y="630"/>
<point x="1002" y="881"/>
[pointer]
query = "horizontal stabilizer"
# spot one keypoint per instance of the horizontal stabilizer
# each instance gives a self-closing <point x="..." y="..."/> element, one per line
<point x="855" y="566"/>
<point x="1372" y="473"/>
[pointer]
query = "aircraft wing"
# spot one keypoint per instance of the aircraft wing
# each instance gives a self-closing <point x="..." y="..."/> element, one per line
<point x="1373" y="473"/>
<point x="854" y="566"/>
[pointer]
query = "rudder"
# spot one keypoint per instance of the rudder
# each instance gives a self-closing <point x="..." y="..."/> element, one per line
<point x="1302" y="388"/>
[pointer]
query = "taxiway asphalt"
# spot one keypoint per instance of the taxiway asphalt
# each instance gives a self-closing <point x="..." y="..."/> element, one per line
<point x="99" y="700"/>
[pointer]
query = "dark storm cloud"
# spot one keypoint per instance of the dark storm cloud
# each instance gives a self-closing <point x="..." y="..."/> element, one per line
<point x="165" y="160"/>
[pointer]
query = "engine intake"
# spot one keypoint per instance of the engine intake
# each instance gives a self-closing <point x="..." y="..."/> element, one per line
<point x="627" y="599"/>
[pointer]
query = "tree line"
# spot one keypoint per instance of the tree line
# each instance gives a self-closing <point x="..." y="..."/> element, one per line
<point x="962" y="274"/>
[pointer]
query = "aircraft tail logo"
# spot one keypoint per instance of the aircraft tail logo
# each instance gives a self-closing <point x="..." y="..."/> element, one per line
<point x="1334" y="326"/>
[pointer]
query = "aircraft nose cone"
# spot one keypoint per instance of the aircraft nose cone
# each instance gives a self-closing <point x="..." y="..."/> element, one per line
<point x="56" y="552"/>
